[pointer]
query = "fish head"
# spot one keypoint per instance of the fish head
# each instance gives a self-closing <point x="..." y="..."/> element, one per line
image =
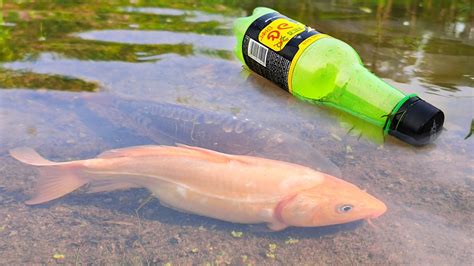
<point x="333" y="201"/>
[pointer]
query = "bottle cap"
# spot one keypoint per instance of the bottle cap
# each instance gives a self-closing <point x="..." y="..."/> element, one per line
<point x="417" y="122"/>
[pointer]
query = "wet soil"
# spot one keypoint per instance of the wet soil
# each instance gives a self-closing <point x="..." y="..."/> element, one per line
<point x="428" y="220"/>
<point x="55" y="55"/>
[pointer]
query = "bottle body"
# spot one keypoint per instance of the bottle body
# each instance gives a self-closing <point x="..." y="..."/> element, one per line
<point x="318" y="68"/>
<point x="330" y="72"/>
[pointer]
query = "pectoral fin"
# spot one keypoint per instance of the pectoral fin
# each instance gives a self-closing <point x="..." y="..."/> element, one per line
<point x="164" y="204"/>
<point x="277" y="226"/>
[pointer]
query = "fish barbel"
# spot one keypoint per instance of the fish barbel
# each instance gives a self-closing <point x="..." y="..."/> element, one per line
<point x="234" y="188"/>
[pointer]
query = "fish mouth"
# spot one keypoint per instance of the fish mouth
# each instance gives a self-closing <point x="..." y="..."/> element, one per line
<point x="378" y="212"/>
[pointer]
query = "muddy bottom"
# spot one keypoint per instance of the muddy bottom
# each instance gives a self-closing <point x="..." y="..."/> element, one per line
<point x="427" y="222"/>
<point x="57" y="59"/>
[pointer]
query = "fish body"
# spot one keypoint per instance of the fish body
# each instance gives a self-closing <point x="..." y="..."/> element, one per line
<point x="234" y="188"/>
<point x="166" y="123"/>
<point x="135" y="122"/>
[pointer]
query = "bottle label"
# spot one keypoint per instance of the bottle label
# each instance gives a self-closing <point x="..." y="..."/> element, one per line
<point x="272" y="45"/>
<point x="279" y="32"/>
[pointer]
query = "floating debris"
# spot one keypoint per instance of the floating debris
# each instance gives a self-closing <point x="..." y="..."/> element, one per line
<point x="290" y="241"/>
<point x="271" y="251"/>
<point x="58" y="256"/>
<point x="270" y="255"/>
<point x="472" y="130"/>
<point x="272" y="247"/>
<point x="365" y="9"/>
<point x="336" y="137"/>
<point x="237" y="234"/>
<point x="348" y="149"/>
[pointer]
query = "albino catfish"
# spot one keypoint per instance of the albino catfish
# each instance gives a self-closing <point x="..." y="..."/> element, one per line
<point x="234" y="188"/>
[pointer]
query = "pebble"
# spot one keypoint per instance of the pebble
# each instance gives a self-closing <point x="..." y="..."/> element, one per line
<point x="336" y="137"/>
<point x="174" y="240"/>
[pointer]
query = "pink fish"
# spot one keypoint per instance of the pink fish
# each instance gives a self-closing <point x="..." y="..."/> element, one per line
<point x="234" y="188"/>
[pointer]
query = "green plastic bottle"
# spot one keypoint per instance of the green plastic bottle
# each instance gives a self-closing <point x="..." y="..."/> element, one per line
<point x="319" y="68"/>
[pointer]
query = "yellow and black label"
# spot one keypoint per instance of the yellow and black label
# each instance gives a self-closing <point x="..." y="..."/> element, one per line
<point x="273" y="43"/>
<point x="279" y="32"/>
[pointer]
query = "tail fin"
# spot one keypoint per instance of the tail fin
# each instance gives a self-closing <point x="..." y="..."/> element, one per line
<point x="30" y="156"/>
<point x="56" y="179"/>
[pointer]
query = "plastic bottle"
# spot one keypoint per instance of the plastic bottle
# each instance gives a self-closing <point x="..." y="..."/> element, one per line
<point x="319" y="68"/>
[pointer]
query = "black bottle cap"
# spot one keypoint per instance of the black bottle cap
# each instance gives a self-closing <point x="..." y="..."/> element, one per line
<point x="417" y="122"/>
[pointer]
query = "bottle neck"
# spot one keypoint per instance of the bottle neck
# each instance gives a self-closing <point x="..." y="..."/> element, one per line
<point x="364" y="95"/>
<point x="389" y="124"/>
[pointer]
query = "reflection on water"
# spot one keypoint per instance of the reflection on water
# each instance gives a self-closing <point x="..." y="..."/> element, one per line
<point x="215" y="42"/>
<point x="135" y="72"/>
<point x="191" y="15"/>
<point x="31" y="80"/>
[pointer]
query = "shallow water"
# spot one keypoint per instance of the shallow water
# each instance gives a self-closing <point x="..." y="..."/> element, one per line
<point x="78" y="79"/>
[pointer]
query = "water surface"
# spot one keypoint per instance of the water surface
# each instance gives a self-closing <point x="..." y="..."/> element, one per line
<point x="78" y="79"/>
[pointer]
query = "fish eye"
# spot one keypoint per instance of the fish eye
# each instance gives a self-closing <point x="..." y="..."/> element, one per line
<point x="345" y="208"/>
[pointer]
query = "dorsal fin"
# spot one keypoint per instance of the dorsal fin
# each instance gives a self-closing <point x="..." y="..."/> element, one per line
<point x="134" y="151"/>
<point x="157" y="150"/>
<point x="217" y="156"/>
